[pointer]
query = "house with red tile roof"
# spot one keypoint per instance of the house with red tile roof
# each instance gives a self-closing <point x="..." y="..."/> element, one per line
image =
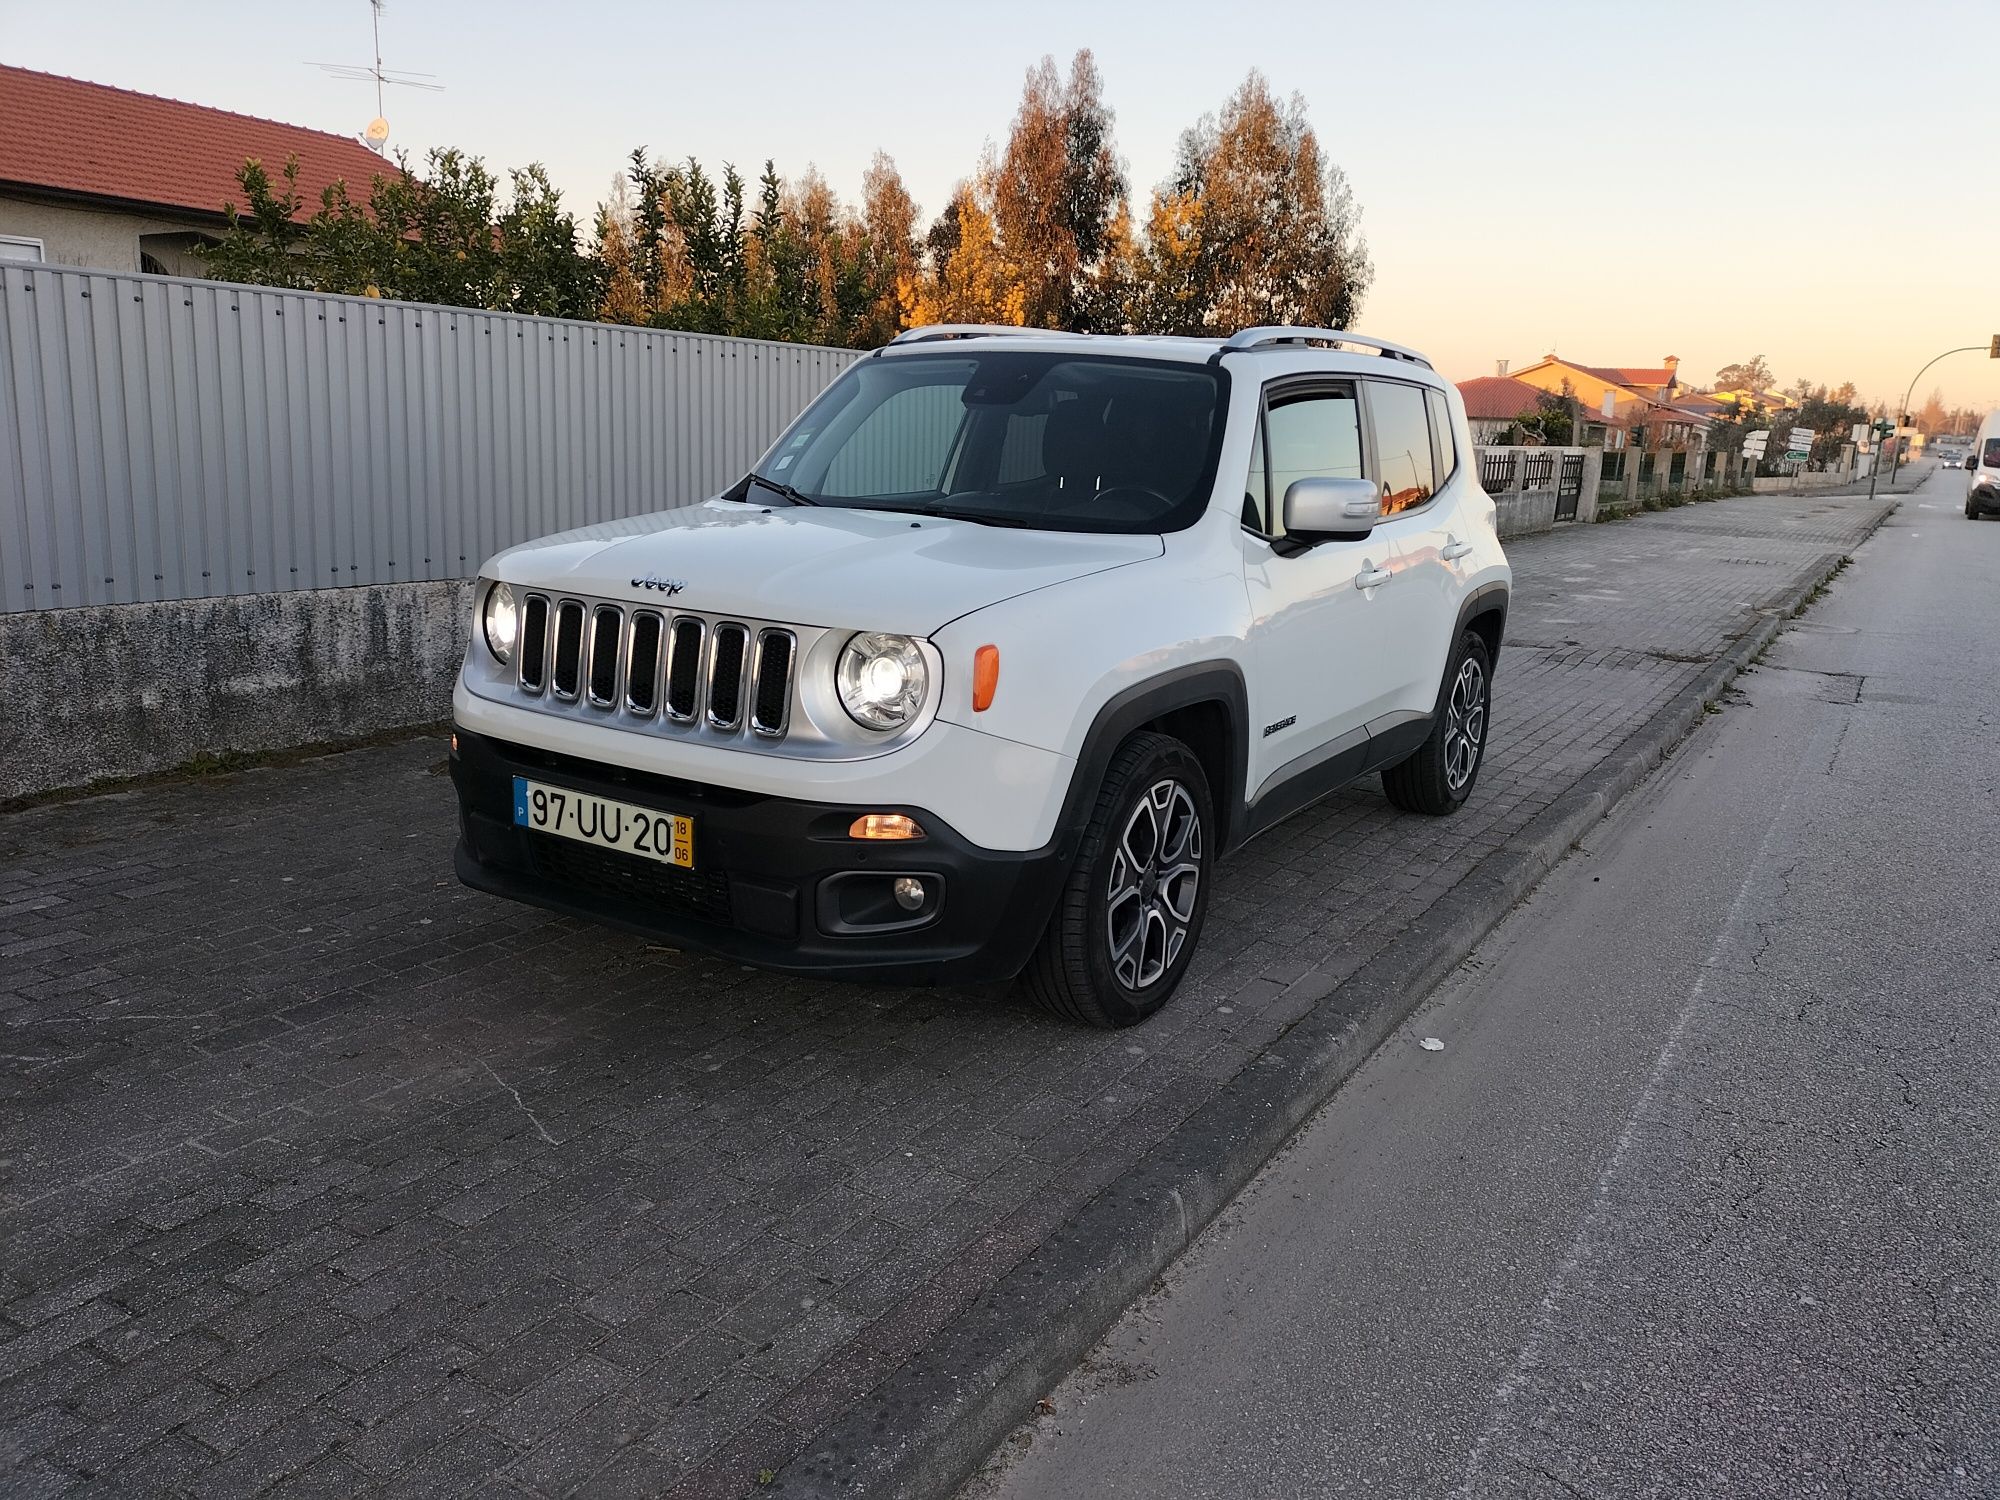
<point x="110" y="179"/>
<point x="1493" y="403"/>
<point x="1591" y="383"/>
<point x="1616" y="401"/>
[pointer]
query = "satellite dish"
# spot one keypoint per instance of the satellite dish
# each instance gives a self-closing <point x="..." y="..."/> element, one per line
<point x="377" y="132"/>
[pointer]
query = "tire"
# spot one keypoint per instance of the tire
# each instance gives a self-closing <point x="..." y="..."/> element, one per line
<point x="1439" y="775"/>
<point x="1971" y="511"/>
<point x="1124" y="930"/>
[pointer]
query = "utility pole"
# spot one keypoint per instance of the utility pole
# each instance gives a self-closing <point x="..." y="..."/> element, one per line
<point x="1882" y="430"/>
<point x="1992" y="352"/>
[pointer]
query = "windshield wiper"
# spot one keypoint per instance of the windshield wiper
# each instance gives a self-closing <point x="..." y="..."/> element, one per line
<point x="977" y="517"/>
<point x="781" y="488"/>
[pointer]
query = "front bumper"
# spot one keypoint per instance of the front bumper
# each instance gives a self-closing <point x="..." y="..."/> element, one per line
<point x="760" y="892"/>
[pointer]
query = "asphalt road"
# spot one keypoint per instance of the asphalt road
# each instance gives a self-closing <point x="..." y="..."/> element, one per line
<point x="1699" y="1198"/>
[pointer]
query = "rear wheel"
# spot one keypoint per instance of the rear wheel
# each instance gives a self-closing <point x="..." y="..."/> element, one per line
<point x="1438" y="777"/>
<point x="1132" y="907"/>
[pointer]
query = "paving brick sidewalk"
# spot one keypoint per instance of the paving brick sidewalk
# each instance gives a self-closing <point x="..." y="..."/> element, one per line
<point x="324" y="1175"/>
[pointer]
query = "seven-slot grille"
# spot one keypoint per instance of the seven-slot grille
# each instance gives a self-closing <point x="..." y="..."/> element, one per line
<point x="719" y="674"/>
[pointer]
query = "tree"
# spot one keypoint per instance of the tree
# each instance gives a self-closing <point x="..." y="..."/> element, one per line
<point x="1258" y="227"/>
<point x="1027" y="194"/>
<point x="1553" y="418"/>
<point x="1055" y="191"/>
<point x="541" y="268"/>
<point x="263" y="245"/>
<point x="1752" y="374"/>
<point x="438" y="231"/>
<point x="970" y="282"/>
<point x="1094" y="188"/>
<point x="1932" y="418"/>
<point x="439" y="236"/>
<point x="623" y="299"/>
<point x="889" y="219"/>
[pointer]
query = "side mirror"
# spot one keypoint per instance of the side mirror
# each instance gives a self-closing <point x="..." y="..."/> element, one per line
<point x="1331" y="507"/>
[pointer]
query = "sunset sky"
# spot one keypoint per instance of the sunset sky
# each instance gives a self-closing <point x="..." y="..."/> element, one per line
<point x="1614" y="182"/>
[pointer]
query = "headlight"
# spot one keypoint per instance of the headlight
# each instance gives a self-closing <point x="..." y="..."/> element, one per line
<point x="502" y="621"/>
<point x="882" y="680"/>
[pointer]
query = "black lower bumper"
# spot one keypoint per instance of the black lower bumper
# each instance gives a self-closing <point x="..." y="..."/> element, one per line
<point x="777" y="882"/>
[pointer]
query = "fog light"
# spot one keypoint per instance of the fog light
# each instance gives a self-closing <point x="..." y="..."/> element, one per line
<point x="909" y="893"/>
<point x="884" y="826"/>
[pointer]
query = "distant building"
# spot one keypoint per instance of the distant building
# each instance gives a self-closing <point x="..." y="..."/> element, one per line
<point x="113" y="180"/>
<point x="1591" y="383"/>
<point x="1645" y="405"/>
<point x="1493" y="403"/>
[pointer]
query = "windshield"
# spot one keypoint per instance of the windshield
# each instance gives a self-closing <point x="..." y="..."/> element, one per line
<point x="1058" y="442"/>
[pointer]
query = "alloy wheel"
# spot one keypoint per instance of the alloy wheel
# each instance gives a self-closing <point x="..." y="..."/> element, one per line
<point x="1465" y="724"/>
<point x="1155" y="875"/>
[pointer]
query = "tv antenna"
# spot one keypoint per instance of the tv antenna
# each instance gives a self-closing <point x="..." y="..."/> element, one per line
<point x="376" y="136"/>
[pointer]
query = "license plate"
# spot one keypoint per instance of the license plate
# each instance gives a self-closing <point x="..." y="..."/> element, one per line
<point x="570" y="814"/>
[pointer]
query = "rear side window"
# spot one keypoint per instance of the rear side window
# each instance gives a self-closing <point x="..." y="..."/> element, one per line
<point x="1402" y="445"/>
<point x="1447" y="445"/>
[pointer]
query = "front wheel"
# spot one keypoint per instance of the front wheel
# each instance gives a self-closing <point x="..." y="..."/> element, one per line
<point x="1132" y="907"/>
<point x="1438" y="777"/>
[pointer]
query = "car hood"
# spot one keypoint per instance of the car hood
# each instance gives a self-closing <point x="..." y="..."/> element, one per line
<point x="814" y="565"/>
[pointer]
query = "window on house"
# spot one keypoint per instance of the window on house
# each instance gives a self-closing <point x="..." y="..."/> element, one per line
<point x="19" y="248"/>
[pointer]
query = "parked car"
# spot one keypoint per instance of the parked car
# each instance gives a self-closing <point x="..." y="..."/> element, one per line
<point x="1982" y="489"/>
<point x="1002" y="645"/>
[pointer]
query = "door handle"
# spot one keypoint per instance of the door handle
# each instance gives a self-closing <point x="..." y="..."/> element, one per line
<point x="1372" y="577"/>
<point x="1454" y="549"/>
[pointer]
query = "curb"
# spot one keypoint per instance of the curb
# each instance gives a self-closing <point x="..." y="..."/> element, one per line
<point x="936" y="1418"/>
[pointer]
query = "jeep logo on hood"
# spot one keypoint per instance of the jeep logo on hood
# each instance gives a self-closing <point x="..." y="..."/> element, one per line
<point x="667" y="586"/>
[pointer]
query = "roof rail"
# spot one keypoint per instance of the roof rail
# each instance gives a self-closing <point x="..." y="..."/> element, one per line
<point x="1257" y="338"/>
<point x="931" y="332"/>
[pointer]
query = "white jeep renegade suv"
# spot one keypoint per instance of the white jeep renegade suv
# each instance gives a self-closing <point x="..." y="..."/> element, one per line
<point x="998" y="649"/>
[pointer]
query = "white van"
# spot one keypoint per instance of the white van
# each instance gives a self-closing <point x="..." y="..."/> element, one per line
<point x="1982" y="485"/>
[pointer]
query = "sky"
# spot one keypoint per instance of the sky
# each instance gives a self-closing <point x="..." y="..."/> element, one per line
<point x="1614" y="182"/>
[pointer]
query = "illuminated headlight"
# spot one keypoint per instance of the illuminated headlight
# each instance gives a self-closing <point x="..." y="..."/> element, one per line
<point x="882" y="680"/>
<point x="502" y="621"/>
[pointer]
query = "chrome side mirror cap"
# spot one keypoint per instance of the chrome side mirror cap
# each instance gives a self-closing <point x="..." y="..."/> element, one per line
<point x="1331" y="507"/>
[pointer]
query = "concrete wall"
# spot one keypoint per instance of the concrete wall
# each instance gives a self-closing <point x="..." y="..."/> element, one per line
<point x="121" y="690"/>
<point x="1521" y="510"/>
<point x="100" y="239"/>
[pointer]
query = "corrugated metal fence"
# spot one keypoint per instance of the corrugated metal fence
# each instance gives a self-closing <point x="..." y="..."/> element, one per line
<point x="163" y="438"/>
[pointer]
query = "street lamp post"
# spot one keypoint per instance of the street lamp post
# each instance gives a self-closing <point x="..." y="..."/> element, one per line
<point x="1896" y="462"/>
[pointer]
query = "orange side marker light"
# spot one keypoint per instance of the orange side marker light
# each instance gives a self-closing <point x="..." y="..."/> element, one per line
<point x="985" y="677"/>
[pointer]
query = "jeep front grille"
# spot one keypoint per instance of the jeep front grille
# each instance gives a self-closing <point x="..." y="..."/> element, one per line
<point x="535" y="644"/>
<point x="718" y="677"/>
<point x="771" y="715"/>
<point x="569" y="648"/>
<point x="730" y="644"/>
